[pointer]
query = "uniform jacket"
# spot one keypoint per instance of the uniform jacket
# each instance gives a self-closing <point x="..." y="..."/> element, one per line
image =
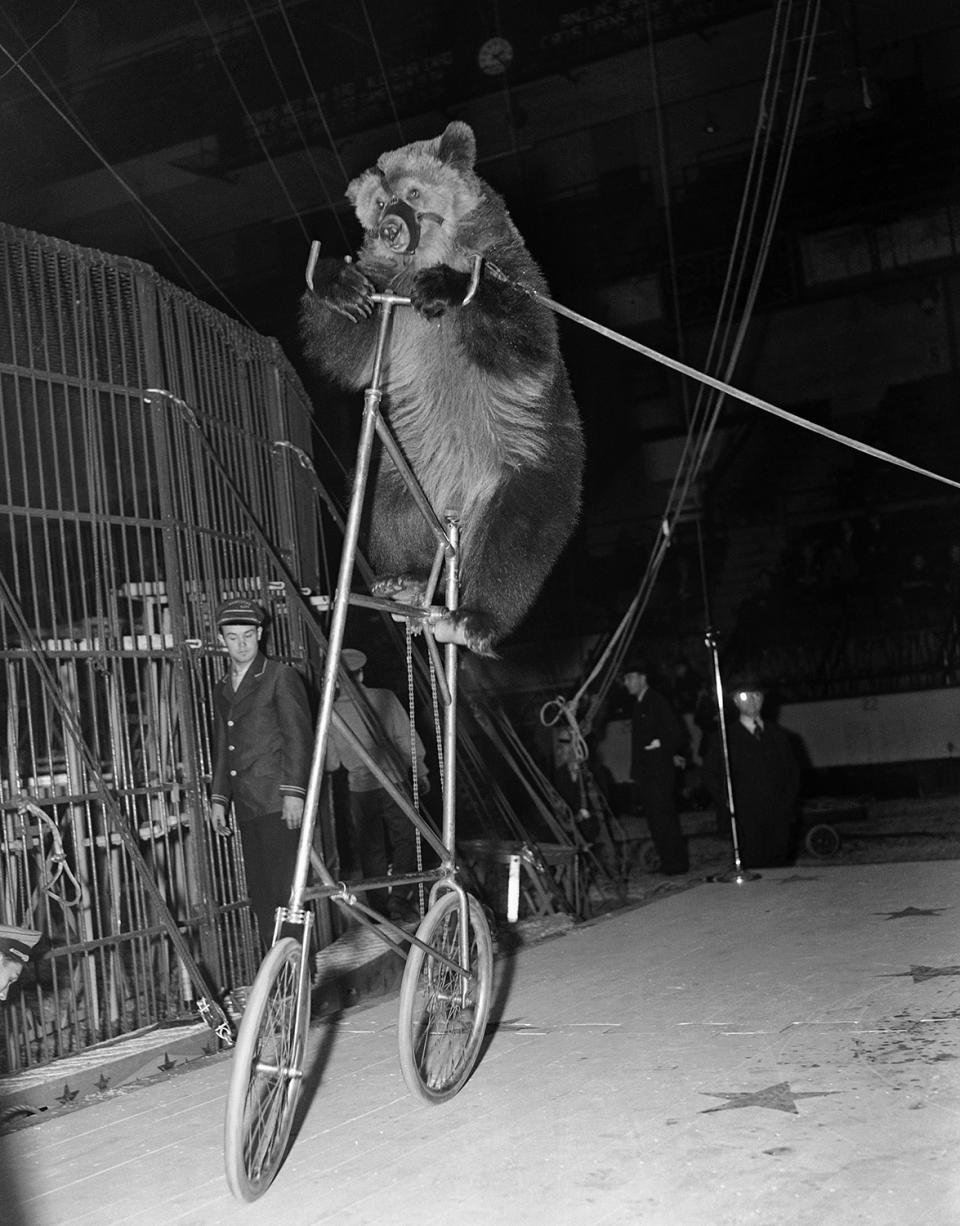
<point x="654" y="719"/>
<point x="263" y="739"/>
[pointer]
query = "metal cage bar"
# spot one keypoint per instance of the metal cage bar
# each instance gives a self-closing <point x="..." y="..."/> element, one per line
<point x="119" y="537"/>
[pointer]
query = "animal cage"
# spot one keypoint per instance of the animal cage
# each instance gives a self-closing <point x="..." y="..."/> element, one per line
<point x="151" y="457"/>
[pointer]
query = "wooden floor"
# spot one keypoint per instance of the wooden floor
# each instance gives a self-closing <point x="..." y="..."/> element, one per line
<point x="783" y="1052"/>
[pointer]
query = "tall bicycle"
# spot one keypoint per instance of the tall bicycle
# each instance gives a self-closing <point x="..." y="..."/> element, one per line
<point x="446" y="987"/>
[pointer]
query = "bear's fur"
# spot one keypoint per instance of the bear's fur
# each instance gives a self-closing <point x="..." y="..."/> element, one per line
<point x="477" y="395"/>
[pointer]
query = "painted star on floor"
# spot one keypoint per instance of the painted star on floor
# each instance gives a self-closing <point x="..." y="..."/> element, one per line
<point x="909" y="912"/>
<point x="68" y="1095"/>
<point x="920" y="974"/>
<point x="778" y="1097"/>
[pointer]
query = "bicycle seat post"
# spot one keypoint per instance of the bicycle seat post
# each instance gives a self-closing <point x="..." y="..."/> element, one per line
<point x="451" y="661"/>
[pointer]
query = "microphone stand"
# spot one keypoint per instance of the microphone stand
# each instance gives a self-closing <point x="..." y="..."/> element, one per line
<point x="738" y="874"/>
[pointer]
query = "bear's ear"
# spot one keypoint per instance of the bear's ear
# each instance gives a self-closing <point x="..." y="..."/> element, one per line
<point x="458" y="146"/>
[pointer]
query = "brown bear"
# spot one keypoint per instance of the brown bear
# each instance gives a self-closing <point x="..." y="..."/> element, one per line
<point x="476" y="393"/>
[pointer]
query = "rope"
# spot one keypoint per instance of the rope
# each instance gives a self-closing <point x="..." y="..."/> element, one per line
<point x="699" y="436"/>
<point x="164" y="234"/>
<point x="292" y="109"/>
<point x="729" y="390"/>
<point x="152" y="219"/>
<point x="726" y="388"/>
<point x="56" y="857"/>
<point x="316" y="102"/>
<point x="36" y="43"/>
<point x="557" y="709"/>
<point x="254" y="126"/>
<point x="383" y="71"/>
<point x="698" y="439"/>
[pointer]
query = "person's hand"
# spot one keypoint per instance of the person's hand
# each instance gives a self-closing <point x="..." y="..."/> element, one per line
<point x="654" y="744"/>
<point x="679" y="760"/>
<point x="218" y="819"/>
<point x="293" y="812"/>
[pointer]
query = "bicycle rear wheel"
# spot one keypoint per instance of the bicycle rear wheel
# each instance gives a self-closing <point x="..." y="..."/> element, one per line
<point x="267" y="1073"/>
<point x="442" y="1019"/>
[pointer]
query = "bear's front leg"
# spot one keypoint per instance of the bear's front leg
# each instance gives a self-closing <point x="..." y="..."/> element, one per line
<point x="437" y="288"/>
<point x="405" y="589"/>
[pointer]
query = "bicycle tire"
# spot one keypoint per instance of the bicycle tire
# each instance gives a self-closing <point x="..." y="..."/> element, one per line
<point x="440" y="1030"/>
<point x="267" y="1073"/>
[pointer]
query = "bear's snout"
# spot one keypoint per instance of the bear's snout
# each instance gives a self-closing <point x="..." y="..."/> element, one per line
<point x="399" y="227"/>
<point x="394" y="232"/>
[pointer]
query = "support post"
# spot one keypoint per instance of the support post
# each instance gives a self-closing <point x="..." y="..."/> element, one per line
<point x="738" y="874"/>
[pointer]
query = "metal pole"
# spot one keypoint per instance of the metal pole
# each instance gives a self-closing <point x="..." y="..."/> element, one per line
<point x="371" y="410"/>
<point x="737" y="874"/>
<point x="450" y="713"/>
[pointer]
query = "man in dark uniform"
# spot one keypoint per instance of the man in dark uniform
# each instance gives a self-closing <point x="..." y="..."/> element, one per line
<point x="263" y="743"/>
<point x="657" y="746"/>
<point x="16" y="946"/>
<point x="764" y="774"/>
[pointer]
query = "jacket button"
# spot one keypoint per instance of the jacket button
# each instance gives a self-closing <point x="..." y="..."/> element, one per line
<point x="229" y="723"/>
<point x="233" y="772"/>
<point x="231" y="747"/>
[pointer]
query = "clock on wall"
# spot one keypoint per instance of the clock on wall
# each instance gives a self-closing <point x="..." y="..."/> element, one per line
<point x="495" y="56"/>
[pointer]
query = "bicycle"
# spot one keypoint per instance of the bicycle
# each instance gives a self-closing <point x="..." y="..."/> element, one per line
<point x="446" y="987"/>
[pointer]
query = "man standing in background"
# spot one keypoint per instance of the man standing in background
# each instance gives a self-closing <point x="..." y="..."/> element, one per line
<point x="765" y="776"/>
<point x="384" y="835"/>
<point x="658" y="744"/>
<point x="263" y="743"/>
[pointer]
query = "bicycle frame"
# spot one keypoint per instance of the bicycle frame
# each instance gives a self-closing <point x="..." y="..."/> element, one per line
<point x="446" y="988"/>
<point x="447" y="559"/>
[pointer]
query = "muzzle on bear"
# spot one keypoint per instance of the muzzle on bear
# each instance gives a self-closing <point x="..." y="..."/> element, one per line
<point x="399" y="226"/>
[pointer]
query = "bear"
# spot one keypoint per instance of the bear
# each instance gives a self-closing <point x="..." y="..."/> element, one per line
<point x="476" y="393"/>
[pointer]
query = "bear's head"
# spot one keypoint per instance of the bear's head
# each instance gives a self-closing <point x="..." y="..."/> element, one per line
<point x="412" y="202"/>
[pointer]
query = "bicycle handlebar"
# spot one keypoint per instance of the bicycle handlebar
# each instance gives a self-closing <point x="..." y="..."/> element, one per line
<point x="393" y="299"/>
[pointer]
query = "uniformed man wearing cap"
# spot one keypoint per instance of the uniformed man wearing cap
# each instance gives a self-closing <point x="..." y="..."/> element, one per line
<point x="384" y="835"/>
<point x="658" y="744"/>
<point x="263" y="742"/>
<point x="16" y="946"/>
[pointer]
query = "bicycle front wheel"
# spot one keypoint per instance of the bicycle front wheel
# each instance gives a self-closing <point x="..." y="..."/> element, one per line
<point x="267" y="1073"/>
<point x="443" y="1015"/>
